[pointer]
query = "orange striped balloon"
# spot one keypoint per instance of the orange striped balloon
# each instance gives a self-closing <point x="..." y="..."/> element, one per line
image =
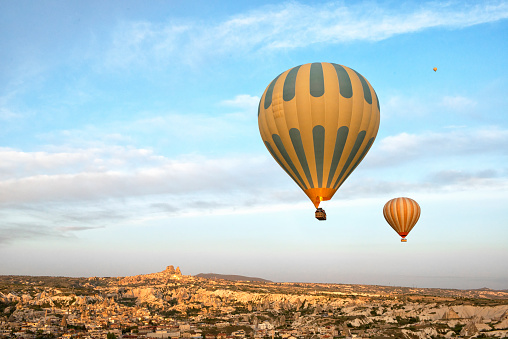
<point x="402" y="214"/>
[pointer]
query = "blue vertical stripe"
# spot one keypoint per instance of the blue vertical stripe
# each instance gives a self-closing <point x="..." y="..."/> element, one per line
<point x="366" y="89"/>
<point x="340" y="142"/>
<point x="356" y="148"/>
<point x="296" y="139"/>
<point x="318" y="134"/>
<point x="288" y="93"/>
<point x="269" y="92"/>
<point x="345" y="87"/>
<point x="364" y="153"/>
<point x="274" y="155"/>
<point x="317" y="80"/>
<point x="377" y="99"/>
<point x="282" y="150"/>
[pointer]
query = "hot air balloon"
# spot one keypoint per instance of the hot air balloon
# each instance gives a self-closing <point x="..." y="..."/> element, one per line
<point x="402" y="214"/>
<point x="318" y="121"/>
<point x="435" y="69"/>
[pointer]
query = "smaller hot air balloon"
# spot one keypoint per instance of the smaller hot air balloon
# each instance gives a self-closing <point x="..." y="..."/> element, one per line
<point x="435" y="69"/>
<point x="402" y="214"/>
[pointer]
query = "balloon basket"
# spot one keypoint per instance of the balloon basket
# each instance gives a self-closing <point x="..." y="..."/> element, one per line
<point x="403" y="240"/>
<point x="320" y="214"/>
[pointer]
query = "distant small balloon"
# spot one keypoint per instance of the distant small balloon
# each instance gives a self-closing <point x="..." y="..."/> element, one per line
<point x="435" y="69"/>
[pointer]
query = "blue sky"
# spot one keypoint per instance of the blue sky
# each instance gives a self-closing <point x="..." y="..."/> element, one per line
<point x="129" y="140"/>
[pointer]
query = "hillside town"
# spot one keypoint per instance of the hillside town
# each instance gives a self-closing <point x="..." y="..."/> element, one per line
<point x="170" y="305"/>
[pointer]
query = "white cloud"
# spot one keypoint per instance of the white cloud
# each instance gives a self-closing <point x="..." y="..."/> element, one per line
<point x="7" y="113"/>
<point x="115" y="172"/>
<point x="230" y="126"/>
<point x="124" y="173"/>
<point x="139" y="42"/>
<point x="434" y="182"/>
<point x="16" y="164"/>
<point x="75" y="189"/>
<point x="243" y="101"/>
<point x="406" y="147"/>
<point x="16" y="232"/>
<point x="288" y="25"/>
<point x="454" y="176"/>
<point x="400" y="106"/>
<point x="396" y="106"/>
<point x="459" y="103"/>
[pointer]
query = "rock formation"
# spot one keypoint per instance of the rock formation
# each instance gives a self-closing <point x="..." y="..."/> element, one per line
<point x="450" y="314"/>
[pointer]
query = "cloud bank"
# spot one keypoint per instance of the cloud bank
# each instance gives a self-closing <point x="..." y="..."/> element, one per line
<point x="288" y="26"/>
<point x="55" y="193"/>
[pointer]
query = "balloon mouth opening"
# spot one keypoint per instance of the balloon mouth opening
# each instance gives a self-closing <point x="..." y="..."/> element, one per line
<point x="317" y="195"/>
<point x="318" y="200"/>
<point x="403" y="235"/>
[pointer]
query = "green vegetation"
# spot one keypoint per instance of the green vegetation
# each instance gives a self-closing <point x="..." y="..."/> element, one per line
<point x="4" y="305"/>
<point x="480" y="302"/>
<point x="171" y="314"/>
<point x="76" y="327"/>
<point x="192" y="312"/>
<point x="457" y="328"/>
<point x="227" y="329"/>
<point x="405" y="321"/>
<point x="130" y="329"/>
<point x="44" y="335"/>
<point x="129" y="302"/>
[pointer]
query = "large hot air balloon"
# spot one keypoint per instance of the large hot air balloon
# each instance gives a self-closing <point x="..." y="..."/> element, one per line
<point x="434" y="69"/>
<point x="402" y="214"/>
<point x="318" y="121"/>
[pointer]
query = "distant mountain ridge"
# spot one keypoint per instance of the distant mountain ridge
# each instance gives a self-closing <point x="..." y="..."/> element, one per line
<point x="230" y="277"/>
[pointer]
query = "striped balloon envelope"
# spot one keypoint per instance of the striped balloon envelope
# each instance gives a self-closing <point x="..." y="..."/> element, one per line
<point x="402" y="214"/>
<point x="318" y="121"/>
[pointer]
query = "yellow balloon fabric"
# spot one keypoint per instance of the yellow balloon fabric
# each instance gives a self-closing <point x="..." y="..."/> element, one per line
<point x="402" y="214"/>
<point x="318" y="121"/>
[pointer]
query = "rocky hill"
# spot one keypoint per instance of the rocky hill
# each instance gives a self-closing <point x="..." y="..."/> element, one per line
<point x="229" y="277"/>
<point x="200" y="308"/>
